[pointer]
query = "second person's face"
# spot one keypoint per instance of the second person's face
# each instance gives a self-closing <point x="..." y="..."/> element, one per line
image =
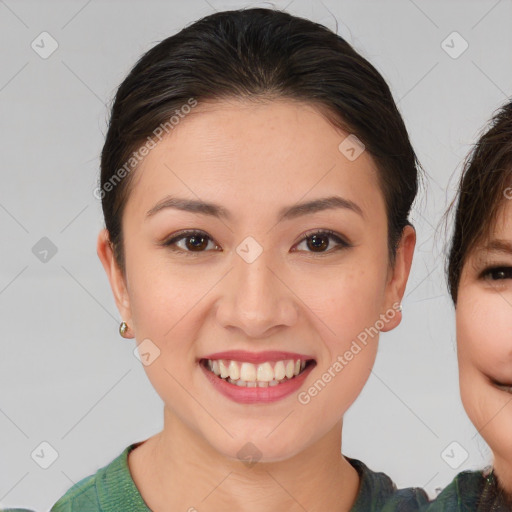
<point x="484" y="340"/>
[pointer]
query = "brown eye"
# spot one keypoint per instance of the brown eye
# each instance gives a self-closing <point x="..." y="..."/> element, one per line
<point x="319" y="241"/>
<point x="194" y="241"/>
<point x="197" y="242"/>
<point x="497" y="273"/>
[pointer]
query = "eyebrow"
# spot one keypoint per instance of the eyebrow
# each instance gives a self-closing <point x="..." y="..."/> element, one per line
<point x="497" y="245"/>
<point x="286" y="213"/>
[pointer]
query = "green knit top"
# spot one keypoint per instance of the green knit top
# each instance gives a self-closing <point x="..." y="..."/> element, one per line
<point x="112" y="489"/>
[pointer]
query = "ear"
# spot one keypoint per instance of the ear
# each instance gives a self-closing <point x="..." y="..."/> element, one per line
<point x="398" y="276"/>
<point x="115" y="276"/>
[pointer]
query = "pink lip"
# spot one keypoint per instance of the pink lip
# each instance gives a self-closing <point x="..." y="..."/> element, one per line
<point x="245" y="395"/>
<point x="257" y="357"/>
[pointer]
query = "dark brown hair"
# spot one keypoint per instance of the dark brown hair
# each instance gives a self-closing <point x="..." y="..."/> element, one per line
<point x="483" y="187"/>
<point x="258" y="54"/>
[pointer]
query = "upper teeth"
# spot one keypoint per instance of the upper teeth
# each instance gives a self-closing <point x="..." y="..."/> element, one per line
<point x="249" y="372"/>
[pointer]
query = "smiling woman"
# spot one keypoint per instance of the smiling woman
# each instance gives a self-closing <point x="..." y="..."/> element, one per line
<point x="479" y="275"/>
<point x="247" y="251"/>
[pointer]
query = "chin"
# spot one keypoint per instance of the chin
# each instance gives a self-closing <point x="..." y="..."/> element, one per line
<point x="260" y="448"/>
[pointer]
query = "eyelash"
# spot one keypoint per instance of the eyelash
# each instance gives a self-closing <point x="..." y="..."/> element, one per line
<point x="488" y="272"/>
<point x="170" y="242"/>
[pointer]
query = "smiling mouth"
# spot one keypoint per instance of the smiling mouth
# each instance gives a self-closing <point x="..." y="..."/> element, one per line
<point x="500" y="385"/>
<point x="504" y="387"/>
<point x="245" y="374"/>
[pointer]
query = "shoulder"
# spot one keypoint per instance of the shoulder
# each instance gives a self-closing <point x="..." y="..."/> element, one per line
<point x="460" y="495"/>
<point x="80" y="494"/>
<point x="96" y="492"/>
<point x="377" y="492"/>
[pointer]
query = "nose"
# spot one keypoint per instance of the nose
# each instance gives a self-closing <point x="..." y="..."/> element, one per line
<point x="256" y="298"/>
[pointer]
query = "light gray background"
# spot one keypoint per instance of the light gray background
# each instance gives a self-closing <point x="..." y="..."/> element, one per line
<point x="66" y="377"/>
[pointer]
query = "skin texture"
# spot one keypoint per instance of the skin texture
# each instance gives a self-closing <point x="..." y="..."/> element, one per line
<point x="253" y="159"/>
<point x="484" y="324"/>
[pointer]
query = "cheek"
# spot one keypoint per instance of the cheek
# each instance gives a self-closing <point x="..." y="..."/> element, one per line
<point x="351" y="321"/>
<point x="161" y="292"/>
<point x="346" y="296"/>
<point x="157" y="304"/>
<point x="484" y="331"/>
<point x="484" y="341"/>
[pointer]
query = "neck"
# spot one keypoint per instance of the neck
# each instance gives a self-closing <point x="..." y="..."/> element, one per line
<point x="177" y="469"/>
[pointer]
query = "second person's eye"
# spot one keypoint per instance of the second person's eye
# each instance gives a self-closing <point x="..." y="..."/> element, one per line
<point x="497" y="273"/>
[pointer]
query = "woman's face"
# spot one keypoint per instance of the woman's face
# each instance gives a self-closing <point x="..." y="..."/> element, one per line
<point x="248" y="280"/>
<point x="484" y="340"/>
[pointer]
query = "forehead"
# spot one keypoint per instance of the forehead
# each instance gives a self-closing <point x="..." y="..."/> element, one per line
<point x="249" y="153"/>
<point x="497" y="235"/>
<point x="502" y="224"/>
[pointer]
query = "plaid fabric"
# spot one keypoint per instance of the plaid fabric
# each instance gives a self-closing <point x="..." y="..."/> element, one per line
<point x="471" y="491"/>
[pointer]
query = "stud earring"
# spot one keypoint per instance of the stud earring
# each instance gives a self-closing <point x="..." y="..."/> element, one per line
<point x="123" y="328"/>
<point x="400" y="308"/>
